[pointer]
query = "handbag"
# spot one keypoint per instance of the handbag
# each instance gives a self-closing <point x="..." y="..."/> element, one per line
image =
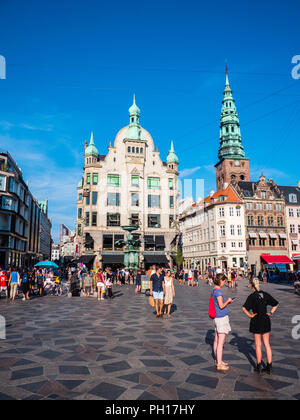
<point x="151" y="301"/>
<point x="212" y="308"/>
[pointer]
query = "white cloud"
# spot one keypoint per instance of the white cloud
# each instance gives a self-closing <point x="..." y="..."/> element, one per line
<point x="189" y="171"/>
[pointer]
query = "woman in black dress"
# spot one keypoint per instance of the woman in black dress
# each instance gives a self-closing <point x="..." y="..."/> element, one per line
<point x="256" y="308"/>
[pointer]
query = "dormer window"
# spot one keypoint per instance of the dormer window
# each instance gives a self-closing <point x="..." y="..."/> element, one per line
<point x="292" y="198"/>
<point x="263" y="195"/>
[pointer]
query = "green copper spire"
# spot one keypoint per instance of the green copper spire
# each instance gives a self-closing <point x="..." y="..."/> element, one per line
<point x="134" y="131"/>
<point x="91" y="149"/>
<point x="230" y="134"/>
<point x="172" y="158"/>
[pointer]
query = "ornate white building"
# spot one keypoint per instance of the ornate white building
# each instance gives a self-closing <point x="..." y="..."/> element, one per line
<point x="213" y="232"/>
<point x="128" y="185"/>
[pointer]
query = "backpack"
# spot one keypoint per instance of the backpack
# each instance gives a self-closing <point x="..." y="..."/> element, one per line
<point x="211" y="308"/>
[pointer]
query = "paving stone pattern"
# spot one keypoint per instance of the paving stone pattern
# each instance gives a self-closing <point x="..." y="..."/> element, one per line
<point x="60" y="348"/>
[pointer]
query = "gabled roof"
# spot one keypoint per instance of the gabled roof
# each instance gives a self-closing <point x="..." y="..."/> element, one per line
<point x="287" y="190"/>
<point x="228" y="195"/>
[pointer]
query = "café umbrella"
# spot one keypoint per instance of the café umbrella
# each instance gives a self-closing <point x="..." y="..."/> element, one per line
<point x="46" y="264"/>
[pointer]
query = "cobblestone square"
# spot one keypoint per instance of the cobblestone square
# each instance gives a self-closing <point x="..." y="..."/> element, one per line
<point x="79" y="348"/>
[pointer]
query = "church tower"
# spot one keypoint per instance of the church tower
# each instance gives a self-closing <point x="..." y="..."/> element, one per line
<point x="233" y="166"/>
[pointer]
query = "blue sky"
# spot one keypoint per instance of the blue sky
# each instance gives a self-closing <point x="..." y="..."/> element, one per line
<point x="73" y="66"/>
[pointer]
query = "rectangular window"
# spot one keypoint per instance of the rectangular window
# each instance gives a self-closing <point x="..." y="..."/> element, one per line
<point x="249" y="206"/>
<point x="238" y="212"/>
<point x="153" y="201"/>
<point x="281" y="242"/>
<point x="88" y="179"/>
<point x="262" y="242"/>
<point x="171" y="202"/>
<point x="269" y="207"/>
<point x="87" y="219"/>
<point x="79" y="231"/>
<point x="279" y="221"/>
<point x="113" y="219"/>
<point x="94" y="198"/>
<point x="135" y="221"/>
<point x="95" y="179"/>
<point x="171" y="184"/>
<point x="298" y="212"/>
<point x="154" y="221"/>
<point x="232" y="230"/>
<point x="135" y="202"/>
<point x="272" y="242"/>
<point x="113" y="180"/>
<point x="239" y="230"/>
<point x="292" y="229"/>
<point x="171" y="221"/>
<point x="270" y="221"/>
<point x="135" y="180"/>
<point x="221" y="212"/>
<point x="291" y="212"/>
<point x="94" y="218"/>
<point x="263" y="195"/>
<point x="79" y="213"/>
<point x="107" y="242"/>
<point x="252" y="242"/>
<point x="2" y="183"/>
<point x="231" y="211"/>
<point x="222" y="230"/>
<point x="259" y="206"/>
<point x="80" y="197"/>
<point x="260" y="220"/>
<point x="154" y="182"/>
<point x="87" y="199"/>
<point x="250" y="221"/>
<point x="113" y="199"/>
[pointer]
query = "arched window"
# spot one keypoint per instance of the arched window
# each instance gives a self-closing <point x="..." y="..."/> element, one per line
<point x="133" y="150"/>
<point x="242" y="177"/>
<point x="141" y="150"/>
<point x="129" y="149"/>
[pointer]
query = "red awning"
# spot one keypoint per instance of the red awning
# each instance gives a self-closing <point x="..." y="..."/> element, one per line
<point x="277" y="259"/>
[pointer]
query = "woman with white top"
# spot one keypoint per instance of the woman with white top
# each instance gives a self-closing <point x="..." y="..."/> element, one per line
<point x="169" y="291"/>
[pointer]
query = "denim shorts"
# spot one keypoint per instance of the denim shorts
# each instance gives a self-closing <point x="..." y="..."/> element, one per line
<point x="158" y="295"/>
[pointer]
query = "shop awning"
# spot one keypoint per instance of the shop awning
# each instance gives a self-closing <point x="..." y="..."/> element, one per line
<point x="282" y="235"/>
<point x="113" y="259"/>
<point x="86" y="259"/>
<point x="263" y="235"/>
<point x="252" y="235"/>
<point x="149" y="240"/>
<point x="277" y="259"/>
<point x="156" y="259"/>
<point x="160" y="241"/>
<point x="273" y="235"/>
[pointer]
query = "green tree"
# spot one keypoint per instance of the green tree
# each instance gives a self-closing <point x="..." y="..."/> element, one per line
<point x="179" y="258"/>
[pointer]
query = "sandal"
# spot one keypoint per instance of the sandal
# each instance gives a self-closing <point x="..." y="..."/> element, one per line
<point x="223" y="363"/>
<point x="222" y="368"/>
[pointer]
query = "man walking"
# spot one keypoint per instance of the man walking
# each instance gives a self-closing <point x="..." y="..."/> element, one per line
<point x="157" y="290"/>
<point x="14" y="281"/>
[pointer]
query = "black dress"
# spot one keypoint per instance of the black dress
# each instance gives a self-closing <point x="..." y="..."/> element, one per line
<point x="258" y="302"/>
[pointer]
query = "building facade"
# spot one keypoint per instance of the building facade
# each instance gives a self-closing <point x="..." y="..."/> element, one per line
<point x="265" y="220"/>
<point x="45" y="232"/>
<point x="20" y="218"/>
<point x="130" y="185"/>
<point x="213" y="232"/>
<point x="55" y="252"/>
<point x="292" y="208"/>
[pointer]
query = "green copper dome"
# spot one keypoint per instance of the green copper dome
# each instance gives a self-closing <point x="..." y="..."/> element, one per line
<point x="91" y="149"/>
<point x="172" y="157"/>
